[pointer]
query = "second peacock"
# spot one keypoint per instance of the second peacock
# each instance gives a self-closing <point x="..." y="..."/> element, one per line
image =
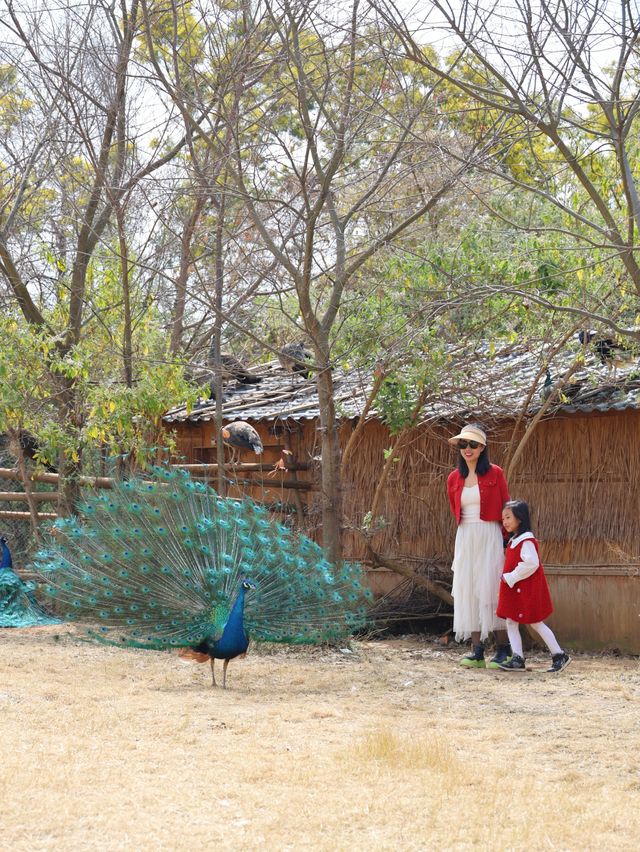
<point x="163" y="562"/>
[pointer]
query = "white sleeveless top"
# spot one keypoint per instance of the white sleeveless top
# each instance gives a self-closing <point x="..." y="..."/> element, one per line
<point x="470" y="505"/>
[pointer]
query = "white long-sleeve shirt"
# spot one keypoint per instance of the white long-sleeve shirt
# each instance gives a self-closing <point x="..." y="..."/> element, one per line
<point x="529" y="563"/>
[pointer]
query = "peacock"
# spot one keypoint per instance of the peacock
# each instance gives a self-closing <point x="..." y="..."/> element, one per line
<point x="296" y="358"/>
<point x="163" y="562"/>
<point x="241" y="435"/>
<point x="18" y="606"/>
<point x="609" y="351"/>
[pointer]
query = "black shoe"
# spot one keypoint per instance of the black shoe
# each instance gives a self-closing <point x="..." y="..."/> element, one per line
<point x="474" y="660"/>
<point x="559" y="661"/>
<point x="515" y="664"/>
<point x="502" y="655"/>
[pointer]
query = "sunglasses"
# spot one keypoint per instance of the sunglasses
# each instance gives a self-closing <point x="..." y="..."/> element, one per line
<point x="462" y="445"/>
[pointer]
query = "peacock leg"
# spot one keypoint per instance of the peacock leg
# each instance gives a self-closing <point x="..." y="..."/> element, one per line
<point x="213" y="674"/>
<point x="224" y="674"/>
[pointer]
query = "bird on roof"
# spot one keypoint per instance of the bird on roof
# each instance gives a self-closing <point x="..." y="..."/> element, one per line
<point x="162" y="562"/>
<point x="609" y="351"/>
<point x="564" y="394"/>
<point x="241" y="435"/>
<point x="296" y="358"/>
<point x="232" y="368"/>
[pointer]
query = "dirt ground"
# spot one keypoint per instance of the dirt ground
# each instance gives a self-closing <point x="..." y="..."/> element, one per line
<point x="384" y="745"/>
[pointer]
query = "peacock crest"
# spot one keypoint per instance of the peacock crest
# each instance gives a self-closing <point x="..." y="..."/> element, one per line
<point x="164" y="561"/>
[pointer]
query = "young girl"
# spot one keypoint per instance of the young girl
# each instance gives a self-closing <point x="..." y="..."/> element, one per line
<point x="524" y="594"/>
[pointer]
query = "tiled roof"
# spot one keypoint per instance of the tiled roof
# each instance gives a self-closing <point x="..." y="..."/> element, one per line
<point x="488" y="382"/>
<point x="280" y="395"/>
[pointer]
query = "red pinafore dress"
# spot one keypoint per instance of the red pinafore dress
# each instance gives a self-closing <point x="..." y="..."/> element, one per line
<point x="529" y="601"/>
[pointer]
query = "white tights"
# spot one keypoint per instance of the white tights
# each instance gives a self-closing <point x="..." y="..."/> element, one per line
<point x="545" y="633"/>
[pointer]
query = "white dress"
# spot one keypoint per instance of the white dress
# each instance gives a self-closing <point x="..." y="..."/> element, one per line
<point x="477" y="567"/>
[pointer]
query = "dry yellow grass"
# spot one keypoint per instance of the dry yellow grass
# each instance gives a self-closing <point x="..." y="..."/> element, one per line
<point x="392" y="746"/>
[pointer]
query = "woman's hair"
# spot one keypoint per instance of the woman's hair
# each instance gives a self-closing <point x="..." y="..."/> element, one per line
<point x="520" y="511"/>
<point x="482" y="465"/>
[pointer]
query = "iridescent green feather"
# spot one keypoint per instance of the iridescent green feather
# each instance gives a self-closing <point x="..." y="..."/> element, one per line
<point x="157" y="563"/>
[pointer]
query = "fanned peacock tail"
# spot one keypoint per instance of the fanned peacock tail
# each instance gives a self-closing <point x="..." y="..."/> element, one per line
<point x="18" y="606"/>
<point x="159" y="562"/>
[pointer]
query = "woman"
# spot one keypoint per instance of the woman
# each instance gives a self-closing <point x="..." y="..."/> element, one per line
<point x="477" y="492"/>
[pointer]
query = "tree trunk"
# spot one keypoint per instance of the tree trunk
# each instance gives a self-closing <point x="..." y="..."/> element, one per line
<point x="16" y="449"/>
<point x="331" y="480"/>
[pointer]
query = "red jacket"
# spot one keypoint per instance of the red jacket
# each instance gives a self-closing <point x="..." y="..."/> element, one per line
<point x="493" y="493"/>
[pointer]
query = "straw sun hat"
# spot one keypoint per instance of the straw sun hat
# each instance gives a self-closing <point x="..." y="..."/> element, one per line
<point x="470" y="433"/>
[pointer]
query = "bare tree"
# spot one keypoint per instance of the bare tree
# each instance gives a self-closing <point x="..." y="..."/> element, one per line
<point x="77" y="151"/>
<point x="559" y="81"/>
<point x="334" y="160"/>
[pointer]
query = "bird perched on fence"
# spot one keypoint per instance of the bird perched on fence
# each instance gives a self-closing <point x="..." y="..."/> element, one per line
<point x="241" y="435"/>
<point x="30" y="447"/>
<point x="18" y="606"/>
<point x="164" y="562"/>
<point x="296" y="358"/>
<point x="609" y="351"/>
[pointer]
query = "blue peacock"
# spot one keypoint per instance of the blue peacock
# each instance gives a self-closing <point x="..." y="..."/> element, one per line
<point x="164" y="562"/>
<point x="18" y="606"/>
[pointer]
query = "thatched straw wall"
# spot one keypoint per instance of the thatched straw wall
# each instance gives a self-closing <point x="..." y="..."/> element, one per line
<point x="580" y="473"/>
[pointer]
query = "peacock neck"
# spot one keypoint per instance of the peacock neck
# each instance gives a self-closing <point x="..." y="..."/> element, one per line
<point x="234" y="640"/>
<point x="6" y="557"/>
<point x="236" y="616"/>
